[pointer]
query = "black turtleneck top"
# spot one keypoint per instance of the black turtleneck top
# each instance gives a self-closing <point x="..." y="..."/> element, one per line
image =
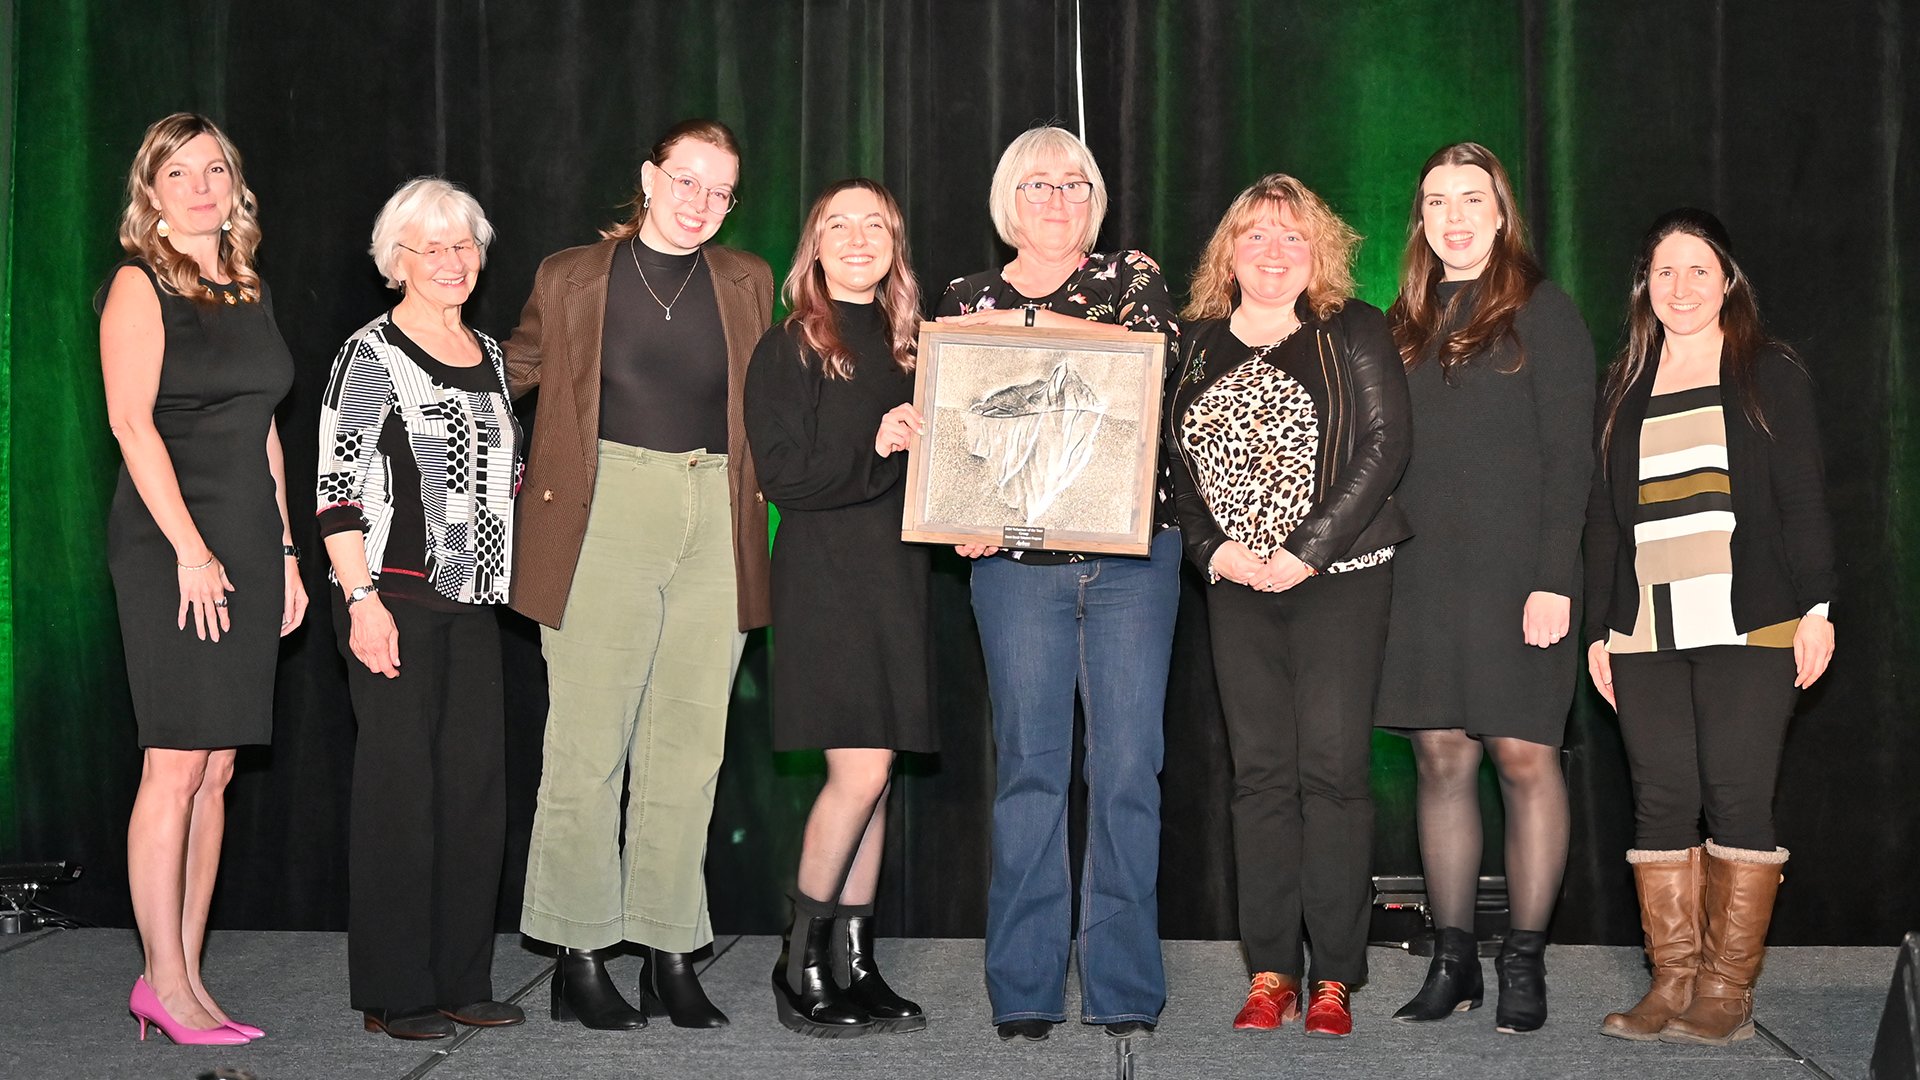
<point x="663" y="381"/>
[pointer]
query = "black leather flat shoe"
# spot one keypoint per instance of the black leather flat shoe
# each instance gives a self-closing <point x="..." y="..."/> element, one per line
<point x="486" y="1014"/>
<point x="409" y="1024"/>
<point x="1030" y="1030"/>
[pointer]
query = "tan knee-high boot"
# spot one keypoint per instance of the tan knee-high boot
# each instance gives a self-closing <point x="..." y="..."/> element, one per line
<point x="1670" y="885"/>
<point x="1741" y="886"/>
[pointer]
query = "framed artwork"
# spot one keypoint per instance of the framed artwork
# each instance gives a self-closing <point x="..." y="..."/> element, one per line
<point x="1037" y="437"/>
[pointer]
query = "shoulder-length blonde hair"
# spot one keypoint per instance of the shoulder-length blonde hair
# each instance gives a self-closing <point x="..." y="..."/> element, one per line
<point x="806" y="295"/>
<point x="1215" y="292"/>
<point x="1021" y="158"/>
<point x="139" y="222"/>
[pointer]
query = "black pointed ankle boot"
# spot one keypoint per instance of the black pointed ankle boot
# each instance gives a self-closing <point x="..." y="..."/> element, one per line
<point x="1454" y="983"/>
<point x="1522" y="967"/>
<point x="865" y="987"/>
<point x="803" y="988"/>
<point x="583" y="991"/>
<point x="669" y="987"/>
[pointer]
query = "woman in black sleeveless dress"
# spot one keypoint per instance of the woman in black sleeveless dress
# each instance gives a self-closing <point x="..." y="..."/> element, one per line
<point x="204" y="570"/>
<point x="829" y="421"/>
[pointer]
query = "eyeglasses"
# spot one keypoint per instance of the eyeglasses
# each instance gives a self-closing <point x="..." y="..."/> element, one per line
<point x="1074" y="191"/>
<point x="460" y="251"/>
<point x="686" y="189"/>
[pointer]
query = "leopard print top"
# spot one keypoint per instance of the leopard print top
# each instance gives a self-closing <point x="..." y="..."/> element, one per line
<point x="1253" y="437"/>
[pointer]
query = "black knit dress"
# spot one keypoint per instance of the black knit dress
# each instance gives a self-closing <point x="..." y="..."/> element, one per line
<point x="224" y="370"/>
<point x="850" y="630"/>
<point x="1496" y="489"/>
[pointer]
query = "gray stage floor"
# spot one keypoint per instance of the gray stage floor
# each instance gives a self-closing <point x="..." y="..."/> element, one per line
<point x="63" y="997"/>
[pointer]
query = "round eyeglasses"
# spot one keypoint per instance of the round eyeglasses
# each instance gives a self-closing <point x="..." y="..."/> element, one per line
<point x="687" y="189"/>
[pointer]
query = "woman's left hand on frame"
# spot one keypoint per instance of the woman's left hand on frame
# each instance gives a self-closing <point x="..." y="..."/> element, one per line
<point x="293" y="608"/>
<point x="1284" y="571"/>
<point x="1546" y="618"/>
<point x="902" y="424"/>
<point x="1812" y="649"/>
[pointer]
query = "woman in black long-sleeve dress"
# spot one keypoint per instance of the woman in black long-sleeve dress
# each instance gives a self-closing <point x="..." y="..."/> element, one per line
<point x="828" y="418"/>
<point x="1479" y="659"/>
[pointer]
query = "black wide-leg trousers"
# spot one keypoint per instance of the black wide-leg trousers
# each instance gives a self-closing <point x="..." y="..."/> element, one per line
<point x="429" y="814"/>
<point x="1297" y="672"/>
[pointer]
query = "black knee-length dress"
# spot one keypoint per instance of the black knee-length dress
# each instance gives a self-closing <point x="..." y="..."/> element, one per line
<point x="224" y="370"/>
<point x="850" y="631"/>
<point x="1496" y="489"/>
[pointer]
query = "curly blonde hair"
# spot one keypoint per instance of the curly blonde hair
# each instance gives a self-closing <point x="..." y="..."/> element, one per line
<point x="180" y="274"/>
<point x="1214" y="291"/>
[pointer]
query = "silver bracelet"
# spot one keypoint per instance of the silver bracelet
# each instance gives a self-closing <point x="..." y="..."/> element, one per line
<point x="202" y="566"/>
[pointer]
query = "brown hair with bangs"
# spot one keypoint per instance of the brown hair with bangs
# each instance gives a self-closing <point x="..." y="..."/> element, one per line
<point x="1215" y="292"/>
<point x="139" y="222"/>
<point x="1504" y="287"/>
<point x="711" y="132"/>
<point x="806" y="295"/>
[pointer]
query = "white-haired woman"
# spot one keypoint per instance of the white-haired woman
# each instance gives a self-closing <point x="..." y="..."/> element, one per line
<point x="1052" y="622"/>
<point x="419" y="462"/>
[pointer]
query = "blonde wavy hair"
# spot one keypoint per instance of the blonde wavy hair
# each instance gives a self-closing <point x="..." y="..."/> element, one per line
<point x="1214" y="292"/>
<point x="810" y="301"/>
<point x="139" y="222"/>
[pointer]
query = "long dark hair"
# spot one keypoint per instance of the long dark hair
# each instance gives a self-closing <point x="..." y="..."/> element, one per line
<point x="812" y="312"/>
<point x="1503" y="289"/>
<point x="1745" y="335"/>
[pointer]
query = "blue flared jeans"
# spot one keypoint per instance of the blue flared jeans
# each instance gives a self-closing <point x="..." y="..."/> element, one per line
<point x="1102" y="628"/>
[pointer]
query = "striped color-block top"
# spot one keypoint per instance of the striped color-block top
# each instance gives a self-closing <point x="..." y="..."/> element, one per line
<point x="1683" y="531"/>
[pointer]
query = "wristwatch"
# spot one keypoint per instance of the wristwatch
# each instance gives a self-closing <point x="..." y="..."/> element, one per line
<point x="361" y="593"/>
<point x="291" y="551"/>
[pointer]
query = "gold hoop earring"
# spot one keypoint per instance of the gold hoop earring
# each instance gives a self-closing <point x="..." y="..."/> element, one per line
<point x="162" y="229"/>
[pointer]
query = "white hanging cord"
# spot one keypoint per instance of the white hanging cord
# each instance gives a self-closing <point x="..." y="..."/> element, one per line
<point x="1079" y="73"/>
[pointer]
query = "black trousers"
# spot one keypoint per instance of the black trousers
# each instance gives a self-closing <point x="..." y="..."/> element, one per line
<point x="429" y="817"/>
<point x="1297" y="673"/>
<point x="1704" y="730"/>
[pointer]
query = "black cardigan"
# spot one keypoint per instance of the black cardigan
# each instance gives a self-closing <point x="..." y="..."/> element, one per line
<point x="1783" y="535"/>
<point x="1348" y="365"/>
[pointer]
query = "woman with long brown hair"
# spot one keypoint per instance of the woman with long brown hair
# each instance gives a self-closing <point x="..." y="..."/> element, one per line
<point x="646" y="542"/>
<point x="194" y="366"/>
<point x="1709" y="575"/>
<point x="829" y="419"/>
<point x="1479" y="659"/>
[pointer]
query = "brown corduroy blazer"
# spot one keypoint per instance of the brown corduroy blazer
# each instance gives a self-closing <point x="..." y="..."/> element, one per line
<point x="556" y="349"/>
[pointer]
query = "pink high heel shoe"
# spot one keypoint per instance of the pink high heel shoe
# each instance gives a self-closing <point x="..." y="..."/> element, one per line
<point x="144" y="1004"/>
<point x="248" y="1030"/>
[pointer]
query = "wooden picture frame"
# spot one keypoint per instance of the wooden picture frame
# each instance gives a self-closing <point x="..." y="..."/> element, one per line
<point x="1037" y="438"/>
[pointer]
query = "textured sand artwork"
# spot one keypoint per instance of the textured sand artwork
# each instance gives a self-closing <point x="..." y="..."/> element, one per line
<point x="1039" y="437"/>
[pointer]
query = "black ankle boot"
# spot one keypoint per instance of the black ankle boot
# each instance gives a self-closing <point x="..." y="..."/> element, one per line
<point x="865" y="987"/>
<point x="669" y="987"/>
<point x="803" y="987"/>
<point x="1453" y="981"/>
<point x="1522" y="967"/>
<point x="583" y="991"/>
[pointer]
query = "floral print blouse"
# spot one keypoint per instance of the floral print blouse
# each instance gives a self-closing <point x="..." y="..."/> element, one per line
<point x="1123" y="288"/>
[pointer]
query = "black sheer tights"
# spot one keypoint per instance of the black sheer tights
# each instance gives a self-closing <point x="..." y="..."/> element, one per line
<point x="1534" y="792"/>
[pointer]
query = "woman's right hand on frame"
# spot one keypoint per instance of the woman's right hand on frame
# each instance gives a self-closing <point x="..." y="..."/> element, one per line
<point x="375" y="640"/>
<point x="902" y="424"/>
<point x="976" y="551"/>
<point x="1600" y="667"/>
<point x="203" y="590"/>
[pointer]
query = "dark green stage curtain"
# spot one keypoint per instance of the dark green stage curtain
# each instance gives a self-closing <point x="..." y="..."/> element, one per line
<point x="1787" y="122"/>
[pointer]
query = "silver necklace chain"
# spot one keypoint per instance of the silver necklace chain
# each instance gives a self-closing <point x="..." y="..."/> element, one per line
<point x="633" y="249"/>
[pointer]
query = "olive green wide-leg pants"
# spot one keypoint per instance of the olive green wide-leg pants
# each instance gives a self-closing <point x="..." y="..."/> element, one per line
<point x="638" y="677"/>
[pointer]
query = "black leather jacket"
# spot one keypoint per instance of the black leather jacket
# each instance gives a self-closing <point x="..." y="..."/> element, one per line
<point x="1349" y="367"/>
